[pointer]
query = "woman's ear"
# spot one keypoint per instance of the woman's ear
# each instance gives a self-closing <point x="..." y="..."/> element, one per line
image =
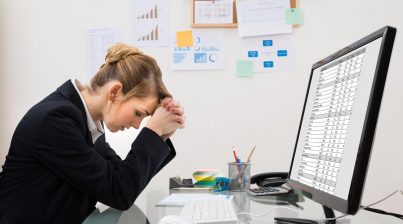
<point x="114" y="90"/>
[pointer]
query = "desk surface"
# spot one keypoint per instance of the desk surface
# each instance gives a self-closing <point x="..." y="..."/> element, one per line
<point x="243" y="203"/>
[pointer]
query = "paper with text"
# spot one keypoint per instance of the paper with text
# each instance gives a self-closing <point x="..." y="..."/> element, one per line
<point x="181" y="199"/>
<point x="262" y="17"/>
<point x="98" y="42"/>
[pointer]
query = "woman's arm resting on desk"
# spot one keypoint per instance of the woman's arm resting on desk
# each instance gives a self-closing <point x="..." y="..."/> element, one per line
<point x="114" y="183"/>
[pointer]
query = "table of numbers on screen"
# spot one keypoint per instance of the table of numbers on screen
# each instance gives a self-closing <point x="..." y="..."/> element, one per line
<point x="329" y="122"/>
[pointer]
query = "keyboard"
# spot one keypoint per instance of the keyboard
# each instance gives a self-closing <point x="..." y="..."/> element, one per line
<point x="220" y="211"/>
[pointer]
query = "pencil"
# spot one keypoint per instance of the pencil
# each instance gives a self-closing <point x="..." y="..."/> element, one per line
<point x="250" y="154"/>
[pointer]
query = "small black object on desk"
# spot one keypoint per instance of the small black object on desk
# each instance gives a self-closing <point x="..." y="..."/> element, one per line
<point x="176" y="182"/>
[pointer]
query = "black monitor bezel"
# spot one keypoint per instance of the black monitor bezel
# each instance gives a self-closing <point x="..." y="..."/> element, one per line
<point x="353" y="202"/>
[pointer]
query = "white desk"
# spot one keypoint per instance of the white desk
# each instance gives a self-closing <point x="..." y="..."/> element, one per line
<point x="243" y="203"/>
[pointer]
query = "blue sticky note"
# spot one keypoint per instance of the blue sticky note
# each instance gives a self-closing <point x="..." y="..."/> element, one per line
<point x="268" y="64"/>
<point x="253" y="54"/>
<point x="267" y="43"/>
<point x="294" y="16"/>
<point x="244" y="68"/>
<point x="282" y="53"/>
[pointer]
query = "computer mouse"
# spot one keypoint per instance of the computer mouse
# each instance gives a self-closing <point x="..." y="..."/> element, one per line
<point x="174" y="219"/>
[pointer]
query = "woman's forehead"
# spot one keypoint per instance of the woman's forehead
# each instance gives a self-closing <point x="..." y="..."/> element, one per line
<point x="148" y="104"/>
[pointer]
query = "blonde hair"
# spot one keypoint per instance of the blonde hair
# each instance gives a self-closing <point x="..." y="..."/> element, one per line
<point x="138" y="73"/>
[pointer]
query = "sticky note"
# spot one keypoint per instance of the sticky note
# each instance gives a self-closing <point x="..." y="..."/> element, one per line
<point x="184" y="38"/>
<point x="294" y="16"/>
<point x="244" y="68"/>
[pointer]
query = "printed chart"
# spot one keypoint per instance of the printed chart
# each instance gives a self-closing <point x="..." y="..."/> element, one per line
<point x="151" y="23"/>
<point x="205" y="54"/>
<point x="269" y="53"/>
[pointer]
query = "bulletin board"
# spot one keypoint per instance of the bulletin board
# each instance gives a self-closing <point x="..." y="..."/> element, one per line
<point x="231" y="24"/>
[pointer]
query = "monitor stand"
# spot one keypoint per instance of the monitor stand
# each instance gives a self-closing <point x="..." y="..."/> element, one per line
<point x="328" y="213"/>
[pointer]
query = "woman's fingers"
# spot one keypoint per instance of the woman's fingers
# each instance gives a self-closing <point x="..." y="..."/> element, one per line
<point x="172" y="104"/>
<point x="181" y="121"/>
<point x="166" y="101"/>
<point x="178" y="110"/>
<point x="168" y="117"/>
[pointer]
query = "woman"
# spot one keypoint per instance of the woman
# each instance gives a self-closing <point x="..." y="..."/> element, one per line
<point x="59" y="164"/>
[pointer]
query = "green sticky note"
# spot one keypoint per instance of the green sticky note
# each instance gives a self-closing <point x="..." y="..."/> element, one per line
<point x="294" y="16"/>
<point x="244" y="68"/>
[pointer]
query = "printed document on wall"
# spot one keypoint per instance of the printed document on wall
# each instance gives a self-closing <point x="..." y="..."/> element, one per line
<point x="151" y="20"/>
<point x="205" y="54"/>
<point x="98" y="42"/>
<point x="269" y="53"/>
<point x="262" y="17"/>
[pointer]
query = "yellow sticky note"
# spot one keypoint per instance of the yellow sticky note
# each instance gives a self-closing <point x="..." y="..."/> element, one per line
<point x="184" y="38"/>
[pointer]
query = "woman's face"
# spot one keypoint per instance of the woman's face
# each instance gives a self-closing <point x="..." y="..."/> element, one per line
<point x="129" y="113"/>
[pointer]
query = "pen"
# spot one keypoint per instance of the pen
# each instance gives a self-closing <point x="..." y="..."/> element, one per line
<point x="236" y="159"/>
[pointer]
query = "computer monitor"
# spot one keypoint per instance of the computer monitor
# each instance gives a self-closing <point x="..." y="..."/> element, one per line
<point x="338" y="122"/>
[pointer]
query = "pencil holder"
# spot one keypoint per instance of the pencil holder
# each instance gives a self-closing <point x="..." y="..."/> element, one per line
<point x="239" y="176"/>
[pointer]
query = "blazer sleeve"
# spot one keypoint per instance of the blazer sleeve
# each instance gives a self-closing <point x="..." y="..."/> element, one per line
<point x="104" y="149"/>
<point x="107" y="152"/>
<point x="60" y="144"/>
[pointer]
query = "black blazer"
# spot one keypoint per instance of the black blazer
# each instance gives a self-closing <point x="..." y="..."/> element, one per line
<point x="54" y="173"/>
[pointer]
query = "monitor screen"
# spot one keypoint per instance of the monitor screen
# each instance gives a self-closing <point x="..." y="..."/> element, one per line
<point x="338" y="122"/>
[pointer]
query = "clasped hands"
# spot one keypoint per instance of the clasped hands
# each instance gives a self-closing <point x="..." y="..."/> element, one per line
<point x="167" y="118"/>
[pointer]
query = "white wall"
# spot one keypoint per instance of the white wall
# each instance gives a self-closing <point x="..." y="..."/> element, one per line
<point x="43" y="43"/>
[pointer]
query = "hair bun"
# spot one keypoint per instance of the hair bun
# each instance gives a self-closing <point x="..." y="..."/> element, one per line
<point x="120" y="51"/>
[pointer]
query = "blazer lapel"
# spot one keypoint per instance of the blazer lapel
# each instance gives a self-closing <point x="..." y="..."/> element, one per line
<point x="70" y="93"/>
